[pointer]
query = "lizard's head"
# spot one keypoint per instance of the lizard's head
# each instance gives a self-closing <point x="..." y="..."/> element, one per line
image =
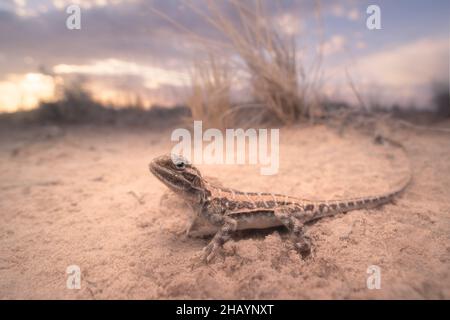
<point x="178" y="174"/>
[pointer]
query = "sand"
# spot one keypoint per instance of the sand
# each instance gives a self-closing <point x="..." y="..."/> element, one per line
<point x="84" y="196"/>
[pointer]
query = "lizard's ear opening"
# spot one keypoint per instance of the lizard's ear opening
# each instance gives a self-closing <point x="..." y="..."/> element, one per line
<point x="193" y="175"/>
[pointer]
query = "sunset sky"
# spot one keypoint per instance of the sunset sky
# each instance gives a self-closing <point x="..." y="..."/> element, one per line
<point x="124" y="49"/>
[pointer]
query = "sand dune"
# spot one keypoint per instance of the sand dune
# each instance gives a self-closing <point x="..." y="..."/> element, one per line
<point x="84" y="196"/>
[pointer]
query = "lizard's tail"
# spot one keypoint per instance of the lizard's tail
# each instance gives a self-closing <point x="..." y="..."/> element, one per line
<point x="375" y="200"/>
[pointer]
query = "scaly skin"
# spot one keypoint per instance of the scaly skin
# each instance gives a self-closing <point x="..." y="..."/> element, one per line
<point x="230" y="210"/>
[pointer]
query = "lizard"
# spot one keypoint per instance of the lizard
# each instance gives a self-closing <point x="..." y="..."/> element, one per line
<point x="229" y="210"/>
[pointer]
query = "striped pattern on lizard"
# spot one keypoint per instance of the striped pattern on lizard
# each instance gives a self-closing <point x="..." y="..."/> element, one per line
<point x="230" y="210"/>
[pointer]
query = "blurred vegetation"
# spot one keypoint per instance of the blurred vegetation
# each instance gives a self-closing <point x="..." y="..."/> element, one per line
<point x="441" y="99"/>
<point x="210" y="97"/>
<point x="280" y="90"/>
<point x="75" y="105"/>
<point x="270" y="59"/>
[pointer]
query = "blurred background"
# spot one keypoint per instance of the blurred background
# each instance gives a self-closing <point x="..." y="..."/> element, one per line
<point x="291" y="60"/>
<point x="83" y="112"/>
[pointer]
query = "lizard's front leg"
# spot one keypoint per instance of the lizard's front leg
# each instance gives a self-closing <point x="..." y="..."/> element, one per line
<point x="227" y="226"/>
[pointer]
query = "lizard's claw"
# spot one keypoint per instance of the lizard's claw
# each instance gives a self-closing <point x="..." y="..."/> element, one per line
<point x="210" y="251"/>
<point x="303" y="246"/>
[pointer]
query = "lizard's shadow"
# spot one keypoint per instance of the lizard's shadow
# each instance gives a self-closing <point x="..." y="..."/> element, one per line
<point x="259" y="234"/>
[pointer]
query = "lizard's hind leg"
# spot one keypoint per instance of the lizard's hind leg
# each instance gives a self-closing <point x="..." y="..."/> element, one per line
<point x="291" y="218"/>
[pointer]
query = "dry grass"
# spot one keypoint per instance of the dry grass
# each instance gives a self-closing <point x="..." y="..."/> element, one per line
<point x="210" y="96"/>
<point x="280" y="87"/>
<point x="277" y="80"/>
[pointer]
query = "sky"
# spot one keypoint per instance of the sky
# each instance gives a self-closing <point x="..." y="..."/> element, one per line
<point x="125" y="50"/>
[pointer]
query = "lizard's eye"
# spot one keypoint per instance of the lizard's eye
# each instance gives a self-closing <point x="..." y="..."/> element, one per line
<point x="180" y="165"/>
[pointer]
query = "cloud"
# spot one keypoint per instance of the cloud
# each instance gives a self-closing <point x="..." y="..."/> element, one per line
<point x="124" y="38"/>
<point x="345" y="9"/>
<point x="334" y="45"/>
<point x="396" y="75"/>
<point x="121" y="31"/>
<point x="289" y="24"/>
<point x="118" y="38"/>
<point x="354" y="14"/>
<point x="337" y="10"/>
<point x="152" y="76"/>
<point x="416" y="63"/>
<point x="361" y="45"/>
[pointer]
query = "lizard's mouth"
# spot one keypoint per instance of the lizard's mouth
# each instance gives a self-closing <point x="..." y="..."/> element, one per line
<point x="153" y="167"/>
<point x="173" y="180"/>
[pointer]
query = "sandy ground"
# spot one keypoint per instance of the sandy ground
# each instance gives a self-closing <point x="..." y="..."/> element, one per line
<point x="84" y="196"/>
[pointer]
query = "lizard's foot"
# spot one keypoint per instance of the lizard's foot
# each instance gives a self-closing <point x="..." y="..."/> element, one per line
<point x="210" y="251"/>
<point x="291" y="218"/>
<point x="303" y="246"/>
